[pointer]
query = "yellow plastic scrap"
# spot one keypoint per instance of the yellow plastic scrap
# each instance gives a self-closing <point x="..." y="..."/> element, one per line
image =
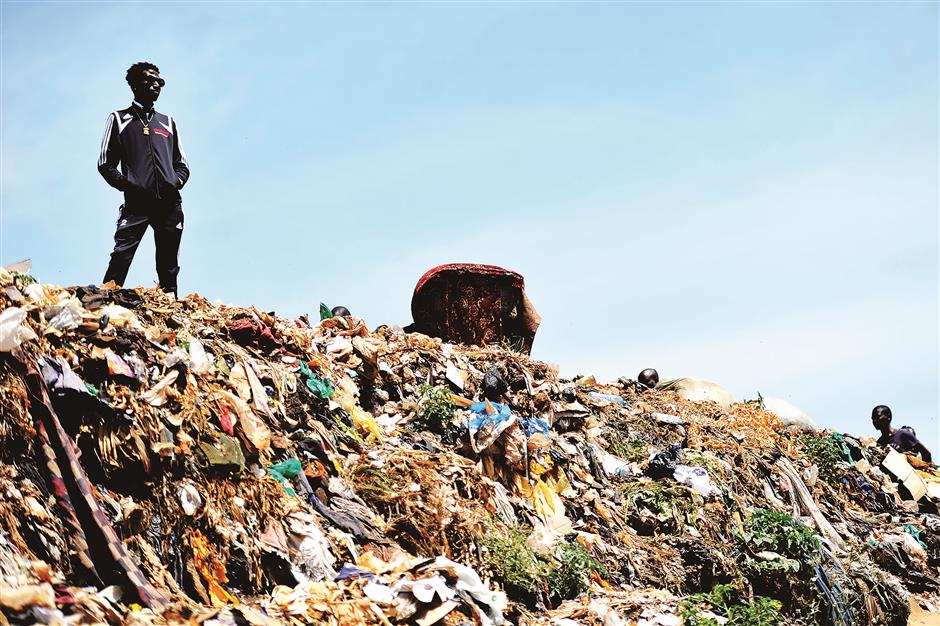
<point x="545" y="499"/>
<point x="362" y="420"/>
<point x="211" y="569"/>
<point x="602" y="510"/>
<point x="366" y="423"/>
<point x="523" y="488"/>
<point x="540" y="465"/>
<point x="600" y="581"/>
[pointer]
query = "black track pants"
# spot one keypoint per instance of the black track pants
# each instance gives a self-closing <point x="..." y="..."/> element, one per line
<point x="166" y="219"/>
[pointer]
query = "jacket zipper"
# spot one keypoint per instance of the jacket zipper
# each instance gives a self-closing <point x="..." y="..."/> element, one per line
<point x="153" y="160"/>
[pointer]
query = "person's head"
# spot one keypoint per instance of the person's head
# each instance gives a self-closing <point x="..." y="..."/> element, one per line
<point x="340" y="311"/>
<point x="881" y="417"/>
<point x="144" y="80"/>
<point x="648" y="378"/>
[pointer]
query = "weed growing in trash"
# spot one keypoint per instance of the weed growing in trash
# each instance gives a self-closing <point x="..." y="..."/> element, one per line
<point x="572" y="575"/>
<point x="348" y="429"/>
<point x="514" y="346"/>
<point x="826" y="452"/>
<point x="666" y="502"/>
<point x="704" y="459"/>
<point x="565" y="577"/>
<point x="21" y="281"/>
<point x="515" y="562"/>
<point x="435" y="407"/>
<point x="781" y="565"/>
<point x="758" y="402"/>
<point x="628" y="448"/>
<point x="725" y="602"/>
<point x="781" y="533"/>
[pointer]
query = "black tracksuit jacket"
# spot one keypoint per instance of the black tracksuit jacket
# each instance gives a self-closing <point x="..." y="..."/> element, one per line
<point x="153" y="166"/>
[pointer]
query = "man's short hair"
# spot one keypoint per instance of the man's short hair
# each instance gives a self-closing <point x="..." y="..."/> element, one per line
<point x="648" y="378"/>
<point x="136" y="71"/>
<point x="881" y="409"/>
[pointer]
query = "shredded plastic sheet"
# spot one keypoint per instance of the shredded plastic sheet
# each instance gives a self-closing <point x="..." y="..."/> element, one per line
<point x="284" y="472"/>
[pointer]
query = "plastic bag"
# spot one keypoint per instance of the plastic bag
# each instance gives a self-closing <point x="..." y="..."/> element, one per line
<point x="64" y="316"/>
<point x="201" y="362"/>
<point x="469" y="581"/>
<point x="485" y="428"/>
<point x="697" y="478"/>
<point x="494" y="385"/>
<point x="13" y="331"/>
<point x="664" y="464"/>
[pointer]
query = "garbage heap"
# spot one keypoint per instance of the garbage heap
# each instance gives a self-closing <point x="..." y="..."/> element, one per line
<point x="171" y="461"/>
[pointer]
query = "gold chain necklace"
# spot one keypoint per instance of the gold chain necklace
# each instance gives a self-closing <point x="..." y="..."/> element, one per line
<point x="145" y="124"/>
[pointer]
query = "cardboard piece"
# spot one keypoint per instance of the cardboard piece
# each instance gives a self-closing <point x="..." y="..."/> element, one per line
<point x="897" y="464"/>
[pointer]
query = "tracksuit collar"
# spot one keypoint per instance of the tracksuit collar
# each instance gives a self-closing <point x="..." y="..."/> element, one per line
<point x="141" y="107"/>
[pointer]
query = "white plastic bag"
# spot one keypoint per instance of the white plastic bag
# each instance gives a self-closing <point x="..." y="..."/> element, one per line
<point x="13" y="330"/>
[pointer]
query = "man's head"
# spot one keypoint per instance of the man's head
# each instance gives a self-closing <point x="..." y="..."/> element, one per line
<point x="144" y="80"/>
<point x="648" y="378"/>
<point x="340" y="311"/>
<point x="881" y="417"/>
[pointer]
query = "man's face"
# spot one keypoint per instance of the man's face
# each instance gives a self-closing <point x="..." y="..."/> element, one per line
<point x="880" y="420"/>
<point x="147" y="89"/>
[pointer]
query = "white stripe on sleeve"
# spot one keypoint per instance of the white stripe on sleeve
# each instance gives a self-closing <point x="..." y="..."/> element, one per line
<point x="179" y="144"/>
<point x="106" y="140"/>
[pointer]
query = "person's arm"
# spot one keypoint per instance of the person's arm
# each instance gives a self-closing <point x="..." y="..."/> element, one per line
<point x="110" y="156"/>
<point x="180" y="164"/>
<point x="922" y="450"/>
<point x="910" y="443"/>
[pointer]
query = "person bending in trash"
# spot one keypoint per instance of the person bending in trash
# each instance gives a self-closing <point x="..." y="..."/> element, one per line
<point x="153" y="170"/>
<point x="901" y="439"/>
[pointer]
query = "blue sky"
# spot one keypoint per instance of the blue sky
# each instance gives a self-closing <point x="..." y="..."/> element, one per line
<point x="742" y="192"/>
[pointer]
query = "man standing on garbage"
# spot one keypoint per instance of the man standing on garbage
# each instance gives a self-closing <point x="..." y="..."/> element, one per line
<point x="153" y="170"/>
<point x="901" y="439"/>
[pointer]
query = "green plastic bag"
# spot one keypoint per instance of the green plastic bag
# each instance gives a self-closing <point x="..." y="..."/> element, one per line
<point x="317" y="385"/>
<point x="285" y="471"/>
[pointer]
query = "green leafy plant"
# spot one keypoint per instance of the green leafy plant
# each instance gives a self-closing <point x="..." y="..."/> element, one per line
<point x="572" y="576"/>
<point x="565" y="577"/>
<point x="23" y="280"/>
<point x="435" y="407"/>
<point x="513" y="344"/>
<point x="514" y="561"/>
<point x="826" y="452"/>
<point x="725" y="601"/>
<point x="783" y="564"/>
<point x="759" y="401"/>
<point x="664" y="500"/>
<point x="778" y="532"/>
<point x="705" y="459"/>
<point x="628" y="448"/>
